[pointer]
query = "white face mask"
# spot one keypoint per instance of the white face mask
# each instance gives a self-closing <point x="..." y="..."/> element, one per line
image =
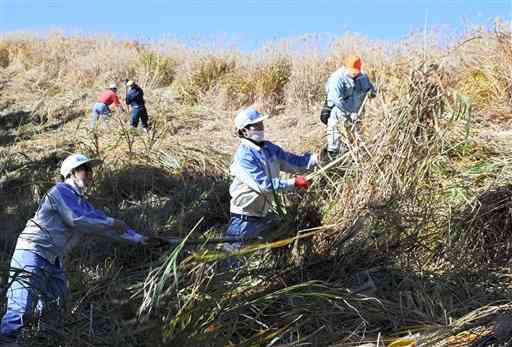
<point x="256" y="135"/>
<point x="80" y="183"/>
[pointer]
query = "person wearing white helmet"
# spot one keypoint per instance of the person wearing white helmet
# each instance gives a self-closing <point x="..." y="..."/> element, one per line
<point x="62" y="218"/>
<point x="101" y="108"/>
<point x="256" y="176"/>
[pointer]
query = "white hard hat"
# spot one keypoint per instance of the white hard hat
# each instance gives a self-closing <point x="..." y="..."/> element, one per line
<point x="129" y="83"/>
<point x="247" y="117"/>
<point x="75" y="160"/>
<point x="112" y="86"/>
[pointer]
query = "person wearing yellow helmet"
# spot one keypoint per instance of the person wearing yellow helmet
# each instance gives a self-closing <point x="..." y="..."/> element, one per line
<point x="346" y="90"/>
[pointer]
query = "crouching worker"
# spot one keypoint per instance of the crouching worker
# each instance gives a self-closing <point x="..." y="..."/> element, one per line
<point x="101" y="110"/>
<point x="38" y="280"/>
<point x="255" y="170"/>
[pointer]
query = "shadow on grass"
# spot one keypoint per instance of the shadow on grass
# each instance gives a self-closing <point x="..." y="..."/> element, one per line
<point x="350" y="293"/>
<point x="482" y="230"/>
<point x="153" y="199"/>
<point x="23" y="183"/>
<point x="327" y="298"/>
<point x="11" y="123"/>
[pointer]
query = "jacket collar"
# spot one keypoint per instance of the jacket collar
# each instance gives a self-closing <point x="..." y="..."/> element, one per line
<point x="251" y="144"/>
<point x="347" y="73"/>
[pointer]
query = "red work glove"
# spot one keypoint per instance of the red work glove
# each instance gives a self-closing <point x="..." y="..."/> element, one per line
<point x="301" y="182"/>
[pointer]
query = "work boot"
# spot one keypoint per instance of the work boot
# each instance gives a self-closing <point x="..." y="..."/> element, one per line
<point x="327" y="156"/>
<point x="332" y="155"/>
<point x="337" y="153"/>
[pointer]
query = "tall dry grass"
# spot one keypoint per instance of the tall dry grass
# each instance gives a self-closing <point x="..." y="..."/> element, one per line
<point x="384" y="216"/>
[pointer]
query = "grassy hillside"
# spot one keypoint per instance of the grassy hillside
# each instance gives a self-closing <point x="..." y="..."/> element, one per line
<point x="411" y="235"/>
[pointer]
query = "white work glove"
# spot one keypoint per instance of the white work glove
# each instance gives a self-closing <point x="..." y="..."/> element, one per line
<point x="133" y="236"/>
<point x="354" y="117"/>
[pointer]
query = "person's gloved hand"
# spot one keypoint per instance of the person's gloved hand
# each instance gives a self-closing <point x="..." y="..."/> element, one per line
<point x="134" y="237"/>
<point x="301" y="182"/>
<point x="354" y="117"/>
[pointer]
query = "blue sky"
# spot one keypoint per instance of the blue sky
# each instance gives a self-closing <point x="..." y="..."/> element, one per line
<point x="247" y="23"/>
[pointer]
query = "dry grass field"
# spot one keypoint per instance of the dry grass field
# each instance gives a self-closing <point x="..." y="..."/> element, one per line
<point x="410" y="236"/>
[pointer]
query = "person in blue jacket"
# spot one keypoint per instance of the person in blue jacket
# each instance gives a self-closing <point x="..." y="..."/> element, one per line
<point x="256" y="171"/>
<point x="135" y="101"/>
<point x="346" y="90"/>
<point x="37" y="277"/>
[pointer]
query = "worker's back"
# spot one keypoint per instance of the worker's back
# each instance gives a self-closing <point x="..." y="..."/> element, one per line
<point x="135" y="96"/>
<point x="349" y="91"/>
<point x="108" y="97"/>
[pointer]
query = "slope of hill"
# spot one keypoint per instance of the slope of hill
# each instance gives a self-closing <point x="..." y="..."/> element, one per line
<point x="412" y="236"/>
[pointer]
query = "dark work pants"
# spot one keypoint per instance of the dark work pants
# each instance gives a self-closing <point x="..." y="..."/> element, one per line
<point x="139" y="113"/>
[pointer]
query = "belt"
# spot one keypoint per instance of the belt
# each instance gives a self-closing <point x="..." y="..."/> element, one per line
<point x="247" y="218"/>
